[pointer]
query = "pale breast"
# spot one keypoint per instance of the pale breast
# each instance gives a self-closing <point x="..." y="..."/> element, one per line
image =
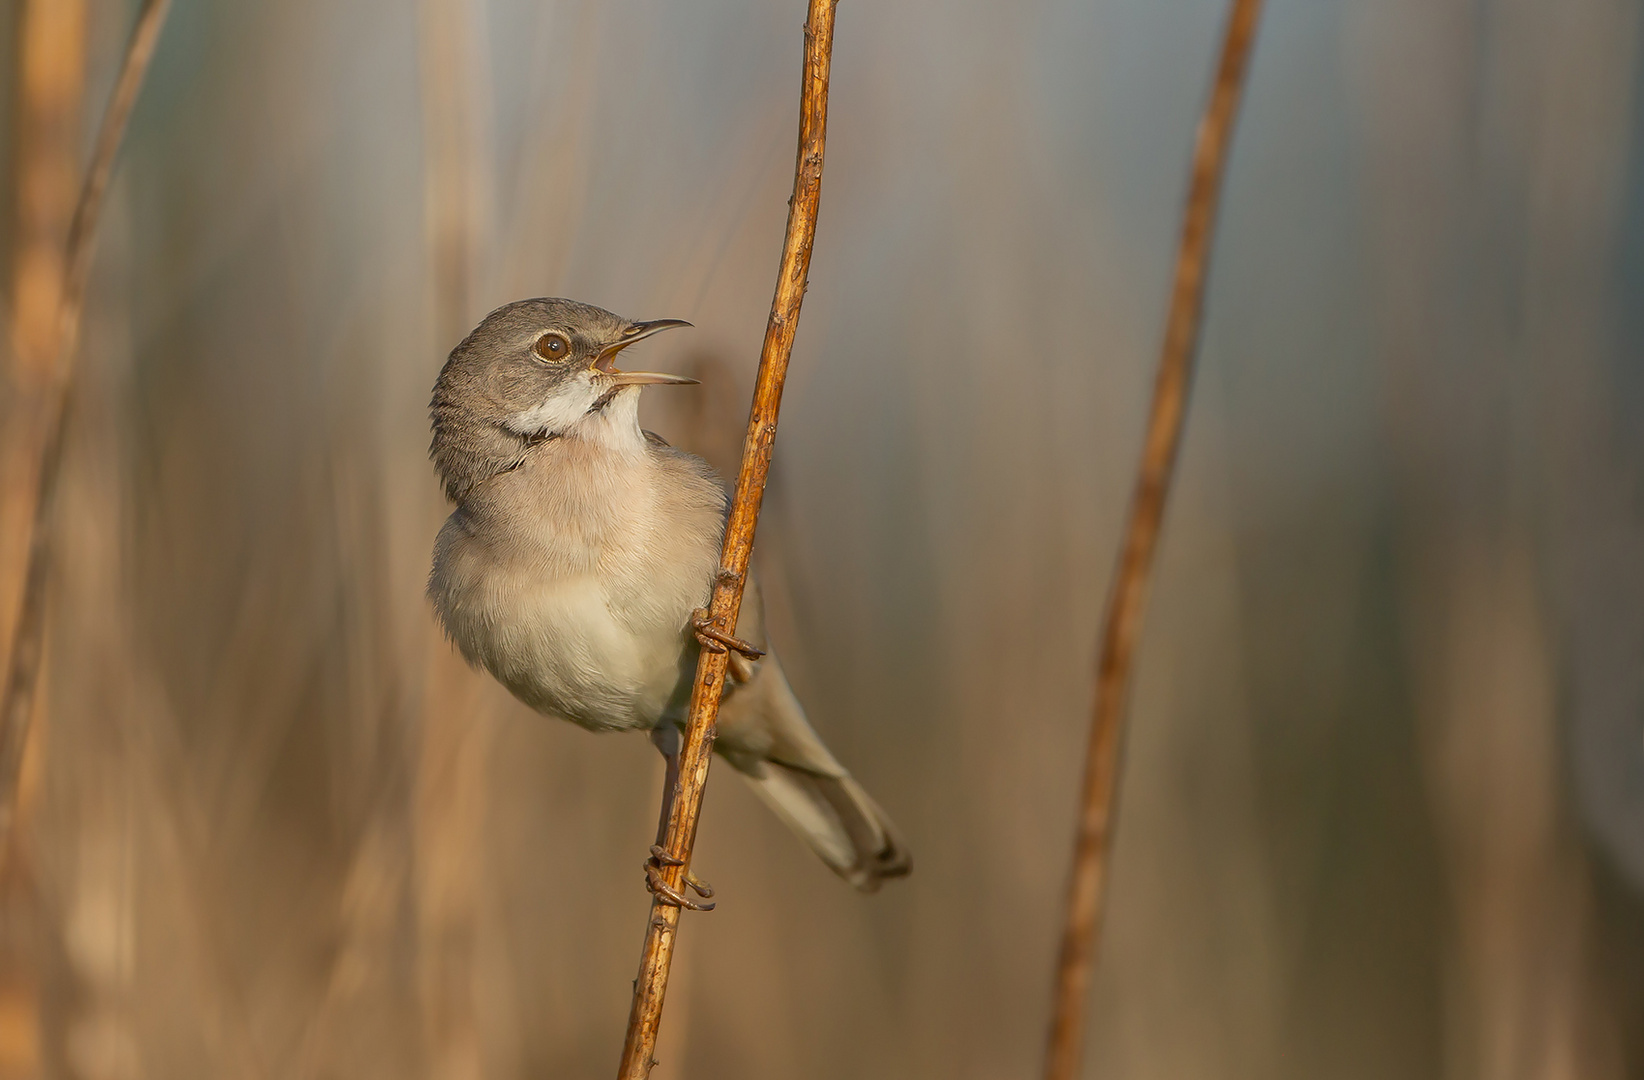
<point x="572" y="578"/>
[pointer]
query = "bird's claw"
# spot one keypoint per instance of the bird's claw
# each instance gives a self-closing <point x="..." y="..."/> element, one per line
<point x="717" y="641"/>
<point x="660" y="856"/>
<point x="666" y="893"/>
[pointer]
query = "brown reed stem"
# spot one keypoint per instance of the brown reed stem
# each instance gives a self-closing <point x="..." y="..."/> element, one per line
<point x="23" y="665"/>
<point x="1087" y="885"/>
<point x="792" y="278"/>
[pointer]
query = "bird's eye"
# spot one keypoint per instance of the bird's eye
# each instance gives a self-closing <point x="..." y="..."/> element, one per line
<point x="553" y="347"/>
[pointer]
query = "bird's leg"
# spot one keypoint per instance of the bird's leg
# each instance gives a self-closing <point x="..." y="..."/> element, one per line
<point x="715" y="641"/>
<point x="665" y="738"/>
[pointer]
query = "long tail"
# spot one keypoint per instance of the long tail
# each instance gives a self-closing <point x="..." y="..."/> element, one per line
<point x="763" y="733"/>
<point x="837" y="819"/>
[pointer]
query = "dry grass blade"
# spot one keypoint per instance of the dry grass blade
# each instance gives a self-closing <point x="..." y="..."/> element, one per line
<point x="1122" y="621"/>
<point x="649" y="988"/>
<point x="23" y="665"/>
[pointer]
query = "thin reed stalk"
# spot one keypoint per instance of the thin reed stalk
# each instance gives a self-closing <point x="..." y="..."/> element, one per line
<point x="49" y="55"/>
<point x="43" y="459"/>
<point x="451" y="798"/>
<point x="1121" y="626"/>
<point x="792" y="278"/>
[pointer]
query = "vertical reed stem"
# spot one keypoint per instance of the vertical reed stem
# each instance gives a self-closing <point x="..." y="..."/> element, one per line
<point x="646" y="1014"/>
<point x="46" y="455"/>
<point x="1087" y="885"/>
<point x="49" y="58"/>
<point x="451" y="801"/>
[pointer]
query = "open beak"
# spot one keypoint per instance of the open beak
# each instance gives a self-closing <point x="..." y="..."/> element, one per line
<point x="606" y="364"/>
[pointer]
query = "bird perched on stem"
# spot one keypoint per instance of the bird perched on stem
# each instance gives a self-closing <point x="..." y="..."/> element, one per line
<point x="582" y="551"/>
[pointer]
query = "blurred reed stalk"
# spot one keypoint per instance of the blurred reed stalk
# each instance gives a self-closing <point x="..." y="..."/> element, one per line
<point x="1121" y="625"/>
<point x="50" y="62"/>
<point x="450" y="807"/>
<point x="41" y="446"/>
<point x="686" y="798"/>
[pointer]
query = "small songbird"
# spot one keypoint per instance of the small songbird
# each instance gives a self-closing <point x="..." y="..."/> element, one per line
<point x="581" y="552"/>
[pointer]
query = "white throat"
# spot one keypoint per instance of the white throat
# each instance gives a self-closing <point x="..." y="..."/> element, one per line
<point x="614" y="427"/>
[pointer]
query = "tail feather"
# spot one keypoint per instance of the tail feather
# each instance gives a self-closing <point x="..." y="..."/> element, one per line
<point x="763" y="733"/>
<point x="833" y="815"/>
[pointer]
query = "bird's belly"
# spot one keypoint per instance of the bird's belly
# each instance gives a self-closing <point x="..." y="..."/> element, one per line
<point x="557" y="646"/>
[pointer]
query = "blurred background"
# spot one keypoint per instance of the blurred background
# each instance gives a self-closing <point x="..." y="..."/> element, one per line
<point x="1383" y="814"/>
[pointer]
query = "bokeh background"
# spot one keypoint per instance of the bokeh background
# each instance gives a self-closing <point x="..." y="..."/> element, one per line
<point x="1383" y="814"/>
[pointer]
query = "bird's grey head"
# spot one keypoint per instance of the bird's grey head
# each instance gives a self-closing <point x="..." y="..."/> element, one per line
<point x="532" y="370"/>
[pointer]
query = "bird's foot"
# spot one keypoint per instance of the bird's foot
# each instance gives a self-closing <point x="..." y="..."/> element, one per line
<point x="715" y="641"/>
<point x="666" y="893"/>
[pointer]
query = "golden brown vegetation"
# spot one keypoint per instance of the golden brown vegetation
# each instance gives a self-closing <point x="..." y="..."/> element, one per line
<point x="1122" y="622"/>
<point x="40" y="455"/>
<point x="685" y="801"/>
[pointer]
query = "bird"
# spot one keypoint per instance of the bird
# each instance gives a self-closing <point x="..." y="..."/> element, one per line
<point x="580" y="554"/>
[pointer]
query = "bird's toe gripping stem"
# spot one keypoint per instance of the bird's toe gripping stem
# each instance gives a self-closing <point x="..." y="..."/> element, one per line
<point x="666" y="893"/>
<point x="716" y="641"/>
